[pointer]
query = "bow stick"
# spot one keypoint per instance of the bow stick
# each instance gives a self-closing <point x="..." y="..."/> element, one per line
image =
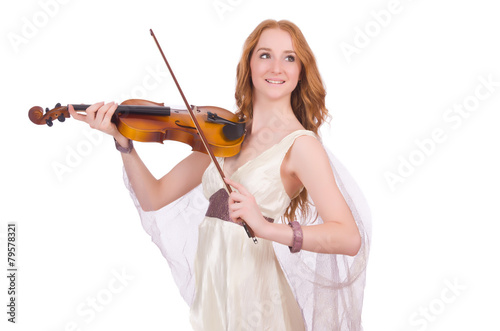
<point x="202" y="135"/>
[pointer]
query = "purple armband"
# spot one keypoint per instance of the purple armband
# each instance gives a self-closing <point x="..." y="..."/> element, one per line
<point x="297" y="237"/>
<point x="123" y="149"/>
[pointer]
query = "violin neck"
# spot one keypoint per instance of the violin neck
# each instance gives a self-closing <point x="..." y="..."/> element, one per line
<point x="134" y="109"/>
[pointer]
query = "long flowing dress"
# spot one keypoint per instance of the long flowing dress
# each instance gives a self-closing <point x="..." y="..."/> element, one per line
<point x="231" y="283"/>
<point x="239" y="284"/>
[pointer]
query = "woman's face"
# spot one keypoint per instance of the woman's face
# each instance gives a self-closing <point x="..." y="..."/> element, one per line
<point x="274" y="66"/>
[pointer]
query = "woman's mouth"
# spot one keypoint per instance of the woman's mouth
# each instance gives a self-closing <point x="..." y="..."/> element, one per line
<point x="272" y="81"/>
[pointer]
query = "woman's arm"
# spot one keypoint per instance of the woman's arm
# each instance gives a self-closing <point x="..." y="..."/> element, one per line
<point x="308" y="163"/>
<point x="151" y="193"/>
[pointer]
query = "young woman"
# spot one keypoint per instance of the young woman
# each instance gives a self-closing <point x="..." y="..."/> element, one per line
<point x="289" y="190"/>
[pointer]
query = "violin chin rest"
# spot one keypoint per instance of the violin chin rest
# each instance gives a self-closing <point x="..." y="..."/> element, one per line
<point x="233" y="131"/>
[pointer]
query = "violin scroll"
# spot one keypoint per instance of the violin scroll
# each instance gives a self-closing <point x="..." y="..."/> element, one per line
<point x="37" y="116"/>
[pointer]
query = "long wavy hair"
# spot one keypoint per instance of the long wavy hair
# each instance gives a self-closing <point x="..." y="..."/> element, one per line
<point x="307" y="100"/>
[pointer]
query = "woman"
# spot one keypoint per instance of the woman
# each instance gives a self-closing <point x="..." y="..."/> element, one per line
<point x="281" y="168"/>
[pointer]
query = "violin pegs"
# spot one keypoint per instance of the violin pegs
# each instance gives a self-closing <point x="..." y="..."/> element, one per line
<point x="49" y="121"/>
<point x="47" y="109"/>
<point x="58" y="105"/>
<point x="61" y="117"/>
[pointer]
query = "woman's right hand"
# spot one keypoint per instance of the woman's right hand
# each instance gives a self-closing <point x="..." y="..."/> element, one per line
<point x="98" y="116"/>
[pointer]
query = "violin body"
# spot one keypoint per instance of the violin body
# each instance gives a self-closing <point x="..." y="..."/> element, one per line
<point x="147" y="121"/>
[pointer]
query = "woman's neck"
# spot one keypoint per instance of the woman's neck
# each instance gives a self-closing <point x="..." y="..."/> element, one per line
<point x="277" y="116"/>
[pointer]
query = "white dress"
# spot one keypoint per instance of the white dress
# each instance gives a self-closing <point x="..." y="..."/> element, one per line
<point x="239" y="284"/>
<point x="230" y="283"/>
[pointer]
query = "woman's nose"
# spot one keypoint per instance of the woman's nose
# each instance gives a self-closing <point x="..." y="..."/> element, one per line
<point x="276" y="66"/>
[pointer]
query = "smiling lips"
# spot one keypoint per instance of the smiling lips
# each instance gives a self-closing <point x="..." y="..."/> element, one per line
<point x="271" y="81"/>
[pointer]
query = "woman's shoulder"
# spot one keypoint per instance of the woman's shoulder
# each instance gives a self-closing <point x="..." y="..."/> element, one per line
<point x="304" y="138"/>
<point x="306" y="147"/>
<point x="299" y="131"/>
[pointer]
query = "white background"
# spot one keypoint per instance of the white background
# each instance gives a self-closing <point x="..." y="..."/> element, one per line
<point x="434" y="253"/>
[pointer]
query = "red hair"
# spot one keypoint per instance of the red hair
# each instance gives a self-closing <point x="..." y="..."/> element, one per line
<point x="307" y="100"/>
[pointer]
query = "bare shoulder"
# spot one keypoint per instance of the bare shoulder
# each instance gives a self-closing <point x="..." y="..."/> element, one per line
<point x="307" y="150"/>
<point x="309" y="163"/>
<point x="305" y="164"/>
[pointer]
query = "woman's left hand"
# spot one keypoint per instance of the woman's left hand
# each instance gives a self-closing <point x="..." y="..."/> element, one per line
<point x="242" y="205"/>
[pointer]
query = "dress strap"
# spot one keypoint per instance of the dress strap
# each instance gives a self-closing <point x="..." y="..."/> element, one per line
<point x="288" y="141"/>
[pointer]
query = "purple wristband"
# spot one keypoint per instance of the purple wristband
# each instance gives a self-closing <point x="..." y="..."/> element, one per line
<point x="297" y="237"/>
<point x="123" y="149"/>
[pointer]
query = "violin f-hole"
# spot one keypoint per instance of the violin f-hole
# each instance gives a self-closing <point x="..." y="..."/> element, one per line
<point x="184" y="126"/>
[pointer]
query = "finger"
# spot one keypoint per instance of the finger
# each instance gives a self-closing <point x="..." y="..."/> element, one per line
<point x="235" y="212"/>
<point x="94" y="107"/>
<point x="234" y="207"/>
<point x="236" y="197"/>
<point x="109" y="114"/>
<point x="99" y="116"/>
<point x="91" y="110"/>
<point x="231" y="201"/>
<point x="75" y="115"/>
<point x="240" y="188"/>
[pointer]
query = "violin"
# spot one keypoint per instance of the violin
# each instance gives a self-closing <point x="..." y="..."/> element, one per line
<point x="144" y="120"/>
<point x="148" y="121"/>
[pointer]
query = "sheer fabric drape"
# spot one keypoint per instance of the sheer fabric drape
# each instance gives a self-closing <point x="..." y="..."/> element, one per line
<point x="329" y="288"/>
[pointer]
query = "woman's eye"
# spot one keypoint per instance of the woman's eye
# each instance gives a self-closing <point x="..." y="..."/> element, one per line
<point x="265" y="56"/>
<point x="290" y="58"/>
